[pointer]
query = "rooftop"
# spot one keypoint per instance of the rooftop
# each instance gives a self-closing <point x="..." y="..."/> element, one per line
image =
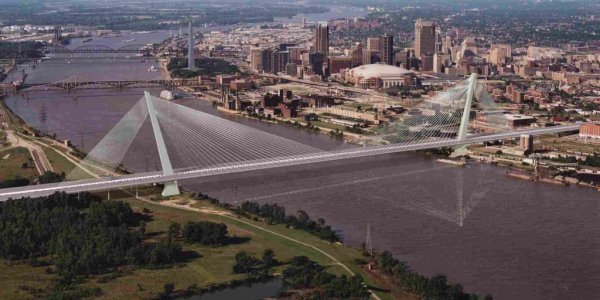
<point x="379" y="70"/>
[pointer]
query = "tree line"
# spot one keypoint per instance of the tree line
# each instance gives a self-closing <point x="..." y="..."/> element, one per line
<point x="10" y="50"/>
<point x="47" y="177"/>
<point x="275" y="214"/>
<point x="433" y="288"/>
<point x="80" y="234"/>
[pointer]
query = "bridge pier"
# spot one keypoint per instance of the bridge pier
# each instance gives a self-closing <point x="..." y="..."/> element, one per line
<point x="461" y="150"/>
<point x="171" y="188"/>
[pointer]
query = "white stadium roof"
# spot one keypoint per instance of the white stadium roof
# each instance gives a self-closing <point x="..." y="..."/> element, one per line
<point x="379" y="70"/>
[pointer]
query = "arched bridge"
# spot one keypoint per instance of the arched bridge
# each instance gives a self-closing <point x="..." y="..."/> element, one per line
<point x="132" y="48"/>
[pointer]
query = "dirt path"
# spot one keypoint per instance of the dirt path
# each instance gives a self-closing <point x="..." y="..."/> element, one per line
<point x="42" y="164"/>
<point x="188" y="206"/>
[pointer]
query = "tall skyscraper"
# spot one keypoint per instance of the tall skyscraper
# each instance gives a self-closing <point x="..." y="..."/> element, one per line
<point x="425" y="39"/>
<point x="191" y="44"/>
<point x="322" y="38"/>
<point x="386" y="45"/>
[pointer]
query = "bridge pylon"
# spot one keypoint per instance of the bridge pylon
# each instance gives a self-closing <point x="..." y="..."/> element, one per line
<point x="171" y="188"/>
<point x="461" y="150"/>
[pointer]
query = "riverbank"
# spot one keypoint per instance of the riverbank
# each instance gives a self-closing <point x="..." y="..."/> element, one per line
<point x="204" y="267"/>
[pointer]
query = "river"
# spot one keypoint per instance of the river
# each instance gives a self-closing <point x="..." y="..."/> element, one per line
<point x="493" y="234"/>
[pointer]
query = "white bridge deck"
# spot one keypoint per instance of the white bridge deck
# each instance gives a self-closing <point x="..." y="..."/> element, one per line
<point x="107" y="183"/>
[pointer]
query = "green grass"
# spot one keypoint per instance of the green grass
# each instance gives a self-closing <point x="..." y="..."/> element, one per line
<point x="59" y="162"/>
<point x="215" y="264"/>
<point x="328" y="125"/>
<point x="205" y="266"/>
<point x="16" y="277"/>
<point x="11" y="167"/>
<point x="569" y="144"/>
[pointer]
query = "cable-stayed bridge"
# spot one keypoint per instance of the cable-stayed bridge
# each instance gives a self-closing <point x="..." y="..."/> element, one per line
<point x="206" y="145"/>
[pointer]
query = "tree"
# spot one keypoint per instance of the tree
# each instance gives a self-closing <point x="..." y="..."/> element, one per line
<point x="205" y="233"/>
<point x="168" y="289"/>
<point x="143" y="227"/>
<point x="244" y="263"/>
<point x="268" y="258"/>
<point x="174" y="229"/>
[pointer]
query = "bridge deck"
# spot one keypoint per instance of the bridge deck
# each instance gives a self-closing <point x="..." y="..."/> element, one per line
<point x="100" y="184"/>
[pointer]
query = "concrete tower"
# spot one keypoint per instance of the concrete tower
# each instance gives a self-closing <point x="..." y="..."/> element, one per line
<point x="191" y="43"/>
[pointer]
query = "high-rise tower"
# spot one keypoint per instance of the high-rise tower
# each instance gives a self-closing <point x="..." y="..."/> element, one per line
<point x="425" y="41"/>
<point x="191" y="44"/>
<point x="322" y="38"/>
<point x="386" y="49"/>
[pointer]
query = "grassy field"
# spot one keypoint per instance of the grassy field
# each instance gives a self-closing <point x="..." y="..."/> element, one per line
<point x="11" y="162"/>
<point x="568" y="144"/>
<point x="202" y="266"/>
<point x="59" y="162"/>
<point x="328" y="125"/>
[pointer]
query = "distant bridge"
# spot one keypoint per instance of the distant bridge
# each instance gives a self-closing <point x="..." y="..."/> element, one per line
<point x="16" y="51"/>
<point x="118" y="84"/>
<point x="132" y="48"/>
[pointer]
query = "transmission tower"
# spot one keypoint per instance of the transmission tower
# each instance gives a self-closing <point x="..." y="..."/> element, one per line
<point x="368" y="245"/>
<point x="43" y="118"/>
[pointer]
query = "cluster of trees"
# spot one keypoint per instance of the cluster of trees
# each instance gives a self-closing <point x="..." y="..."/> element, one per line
<point x="205" y="233"/>
<point x="435" y="287"/>
<point x="337" y="133"/>
<point x="248" y="264"/>
<point x="355" y="129"/>
<point x="16" y="182"/>
<point x="205" y="66"/>
<point x="590" y="160"/>
<point x="305" y="274"/>
<point x="9" y="50"/>
<point x="275" y="214"/>
<point x="51" y="177"/>
<point x="80" y="234"/>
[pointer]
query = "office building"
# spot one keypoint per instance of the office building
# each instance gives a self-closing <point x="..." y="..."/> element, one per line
<point x="425" y="38"/>
<point x="526" y="143"/>
<point x="373" y="44"/>
<point x="386" y="44"/>
<point x="315" y="62"/>
<point x="322" y="38"/>
<point x="279" y="60"/>
<point x="357" y="55"/>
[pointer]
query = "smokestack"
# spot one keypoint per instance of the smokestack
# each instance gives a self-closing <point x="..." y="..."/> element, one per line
<point x="191" y="62"/>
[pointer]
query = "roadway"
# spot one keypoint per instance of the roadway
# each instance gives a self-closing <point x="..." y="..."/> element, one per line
<point x="108" y="183"/>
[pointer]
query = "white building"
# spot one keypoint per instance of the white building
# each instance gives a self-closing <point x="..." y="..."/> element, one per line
<point x="374" y="76"/>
